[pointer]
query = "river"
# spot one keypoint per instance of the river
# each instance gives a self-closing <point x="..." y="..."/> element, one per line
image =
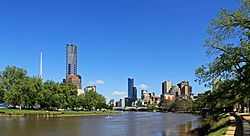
<point x="129" y="124"/>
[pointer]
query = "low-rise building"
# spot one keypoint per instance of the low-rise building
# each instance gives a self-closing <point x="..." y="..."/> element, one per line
<point x="168" y="97"/>
<point x="90" y="88"/>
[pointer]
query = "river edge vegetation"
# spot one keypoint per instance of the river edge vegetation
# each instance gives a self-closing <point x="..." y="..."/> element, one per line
<point x="40" y="113"/>
<point x="23" y="92"/>
<point x="215" y="125"/>
<point x="228" y="74"/>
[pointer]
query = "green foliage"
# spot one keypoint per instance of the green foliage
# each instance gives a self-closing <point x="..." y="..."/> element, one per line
<point x="12" y="81"/>
<point x="17" y="89"/>
<point x="2" y="92"/>
<point x="93" y="100"/>
<point x="61" y="113"/>
<point x="228" y="43"/>
<point x="151" y="107"/>
<point x="179" y="105"/>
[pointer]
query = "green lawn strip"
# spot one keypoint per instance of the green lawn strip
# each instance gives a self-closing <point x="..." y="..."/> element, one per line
<point x="33" y="112"/>
<point x="219" y="127"/>
<point x="88" y="112"/>
<point x="219" y="132"/>
<point x="27" y="112"/>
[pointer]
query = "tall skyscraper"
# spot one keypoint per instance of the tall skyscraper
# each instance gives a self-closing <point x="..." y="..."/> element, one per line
<point x="71" y="59"/>
<point x="41" y="66"/>
<point x="185" y="88"/>
<point x="134" y="94"/>
<point x="130" y="87"/>
<point x="166" y="87"/>
<point x="132" y="91"/>
<point x="71" y="66"/>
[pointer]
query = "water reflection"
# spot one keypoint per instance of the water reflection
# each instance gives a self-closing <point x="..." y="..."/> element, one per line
<point x="130" y="124"/>
<point x="184" y="129"/>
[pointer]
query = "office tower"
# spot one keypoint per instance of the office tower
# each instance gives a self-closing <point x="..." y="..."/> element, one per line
<point x="134" y="94"/>
<point x="176" y="91"/>
<point x="130" y="87"/>
<point x="41" y="66"/>
<point x="71" y="66"/>
<point x="71" y="59"/>
<point x="166" y="87"/>
<point x="185" y="88"/>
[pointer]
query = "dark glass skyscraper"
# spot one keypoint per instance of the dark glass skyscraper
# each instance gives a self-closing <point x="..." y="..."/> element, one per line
<point x="130" y="87"/>
<point x="71" y="66"/>
<point x="132" y="91"/>
<point x="134" y="94"/>
<point x="71" y="59"/>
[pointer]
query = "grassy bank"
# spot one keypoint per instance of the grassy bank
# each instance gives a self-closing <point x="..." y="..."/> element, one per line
<point x="216" y="125"/>
<point x="219" y="125"/>
<point x="40" y="113"/>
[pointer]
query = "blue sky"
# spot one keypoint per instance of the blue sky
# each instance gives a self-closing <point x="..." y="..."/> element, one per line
<point x="150" y="40"/>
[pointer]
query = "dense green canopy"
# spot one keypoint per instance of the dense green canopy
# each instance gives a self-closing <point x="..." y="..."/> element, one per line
<point x="229" y="72"/>
<point x="18" y="89"/>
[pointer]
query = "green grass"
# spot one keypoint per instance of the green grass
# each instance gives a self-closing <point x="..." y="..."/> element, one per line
<point x="219" y="126"/>
<point x="39" y="112"/>
<point x="27" y="112"/>
<point x="219" y="132"/>
<point x="88" y="112"/>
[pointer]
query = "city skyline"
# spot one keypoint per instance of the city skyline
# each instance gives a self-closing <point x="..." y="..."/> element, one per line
<point x="112" y="46"/>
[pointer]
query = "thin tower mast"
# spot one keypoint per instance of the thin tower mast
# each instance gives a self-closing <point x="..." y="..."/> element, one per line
<point x="41" y="66"/>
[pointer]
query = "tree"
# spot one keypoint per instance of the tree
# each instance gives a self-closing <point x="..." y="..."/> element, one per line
<point x="93" y="100"/>
<point x="49" y="97"/>
<point x="70" y="92"/>
<point x="151" y="107"/>
<point x="18" y="89"/>
<point x="228" y="43"/>
<point x="30" y="87"/>
<point x="2" y="92"/>
<point x="10" y="80"/>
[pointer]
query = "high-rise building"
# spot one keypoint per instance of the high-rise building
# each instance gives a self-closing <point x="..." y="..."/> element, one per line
<point x="166" y="87"/>
<point x="130" y="87"/>
<point x="71" y="66"/>
<point x="176" y="91"/>
<point x="71" y="59"/>
<point x="185" y="88"/>
<point x="134" y="94"/>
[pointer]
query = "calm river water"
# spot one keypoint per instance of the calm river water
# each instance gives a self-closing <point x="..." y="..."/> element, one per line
<point x="129" y="124"/>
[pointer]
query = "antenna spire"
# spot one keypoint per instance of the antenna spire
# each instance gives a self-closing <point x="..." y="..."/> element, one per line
<point x="41" y="65"/>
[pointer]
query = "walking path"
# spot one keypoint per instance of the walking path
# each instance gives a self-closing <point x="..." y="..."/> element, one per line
<point x="246" y="124"/>
<point x="231" y="129"/>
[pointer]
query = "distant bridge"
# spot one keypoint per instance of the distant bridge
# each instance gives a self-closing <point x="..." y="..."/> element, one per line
<point x="131" y="108"/>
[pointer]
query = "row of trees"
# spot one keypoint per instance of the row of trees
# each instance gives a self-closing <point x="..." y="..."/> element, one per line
<point x="229" y="73"/>
<point x="18" y="89"/>
<point x="179" y="104"/>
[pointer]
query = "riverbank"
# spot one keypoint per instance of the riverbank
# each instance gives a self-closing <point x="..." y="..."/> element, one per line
<point x="215" y="125"/>
<point x="50" y="114"/>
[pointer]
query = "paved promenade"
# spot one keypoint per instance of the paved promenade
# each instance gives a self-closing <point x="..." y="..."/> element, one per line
<point x="246" y="124"/>
<point x="231" y="129"/>
<point x="245" y="117"/>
